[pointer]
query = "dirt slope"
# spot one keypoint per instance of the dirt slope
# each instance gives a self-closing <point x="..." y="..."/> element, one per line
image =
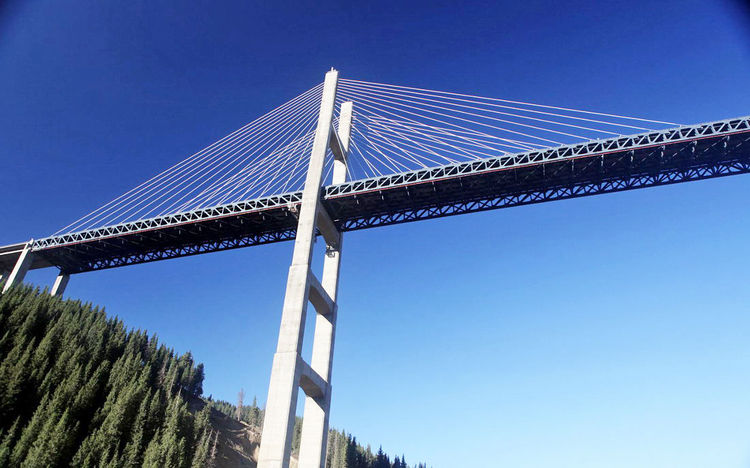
<point x="237" y="443"/>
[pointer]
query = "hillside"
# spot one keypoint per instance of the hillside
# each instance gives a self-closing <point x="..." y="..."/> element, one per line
<point x="79" y="389"/>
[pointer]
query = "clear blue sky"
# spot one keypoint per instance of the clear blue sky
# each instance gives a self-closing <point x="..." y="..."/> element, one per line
<point x="606" y="331"/>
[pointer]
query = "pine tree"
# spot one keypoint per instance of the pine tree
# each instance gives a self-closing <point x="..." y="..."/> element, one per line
<point x="153" y="457"/>
<point x="196" y="385"/>
<point x="200" y="459"/>
<point x="240" y="397"/>
<point x="133" y="452"/>
<point x="255" y="418"/>
<point x="214" y="450"/>
<point x="53" y="443"/>
<point x="30" y="433"/>
<point x="7" y="443"/>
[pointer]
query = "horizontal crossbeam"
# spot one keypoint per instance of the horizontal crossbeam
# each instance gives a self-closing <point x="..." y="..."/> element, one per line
<point x="310" y="381"/>
<point x="323" y="303"/>
<point x="327" y="228"/>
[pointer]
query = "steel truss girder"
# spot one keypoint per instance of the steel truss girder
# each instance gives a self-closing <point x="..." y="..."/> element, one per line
<point x="580" y="150"/>
<point x="558" y="193"/>
<point x="697" y="152"/>
<point x="181" y="251"/>
<point x="640" y="141"/>
<point x="178" y="219"/>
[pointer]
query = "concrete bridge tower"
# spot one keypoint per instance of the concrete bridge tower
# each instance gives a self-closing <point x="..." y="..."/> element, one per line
<point x="290" y="371"/>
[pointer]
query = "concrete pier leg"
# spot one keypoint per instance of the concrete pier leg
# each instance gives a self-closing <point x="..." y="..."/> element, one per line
<point x="288" y="366"/>
<point x="60" y="283"/>
<point x="314" y="438"/>
<point x="21" y="268"/>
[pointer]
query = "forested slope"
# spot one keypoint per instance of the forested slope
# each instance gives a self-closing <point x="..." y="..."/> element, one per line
<point x="79" y="389"/>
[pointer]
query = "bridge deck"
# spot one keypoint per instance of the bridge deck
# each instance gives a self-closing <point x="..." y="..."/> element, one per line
<point x="675" y="155"/>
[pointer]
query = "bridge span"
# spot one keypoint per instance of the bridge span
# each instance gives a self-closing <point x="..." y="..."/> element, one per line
<point x="674" y="155"/>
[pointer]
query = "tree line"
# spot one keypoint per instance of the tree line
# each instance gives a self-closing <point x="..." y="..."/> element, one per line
<point x="343" y="450"/>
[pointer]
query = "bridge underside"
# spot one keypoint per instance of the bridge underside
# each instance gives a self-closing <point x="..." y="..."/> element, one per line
<point x="432" y="193"/>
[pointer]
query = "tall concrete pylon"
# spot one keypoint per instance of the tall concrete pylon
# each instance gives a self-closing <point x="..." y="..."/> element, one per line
<point x="290" y="371"/>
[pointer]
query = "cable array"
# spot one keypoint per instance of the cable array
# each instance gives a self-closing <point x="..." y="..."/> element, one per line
<point x="268" y="155"/>
<point x="400" y="128"/>
<point x="395" y="129"/>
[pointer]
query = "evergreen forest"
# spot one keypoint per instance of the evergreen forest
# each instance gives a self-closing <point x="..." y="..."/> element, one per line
<point x="79" y="389"/>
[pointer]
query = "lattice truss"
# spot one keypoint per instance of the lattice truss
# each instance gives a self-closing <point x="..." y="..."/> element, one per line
<point x="395" y="129"/>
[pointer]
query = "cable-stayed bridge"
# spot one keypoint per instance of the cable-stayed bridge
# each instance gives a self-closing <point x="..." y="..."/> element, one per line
<point x="416" y="155"/>
<point x="348" y="155"/>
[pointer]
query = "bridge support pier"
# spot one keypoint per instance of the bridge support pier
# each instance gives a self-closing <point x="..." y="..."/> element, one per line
<point x="290" y="371"/>
<point x="61" y="282"/>
<point x="21" y="267"/>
